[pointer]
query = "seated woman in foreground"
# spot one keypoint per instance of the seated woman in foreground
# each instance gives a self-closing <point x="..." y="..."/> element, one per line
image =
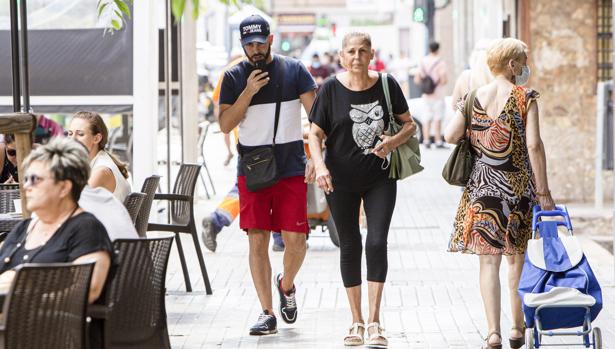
<point x="54" y="176"/>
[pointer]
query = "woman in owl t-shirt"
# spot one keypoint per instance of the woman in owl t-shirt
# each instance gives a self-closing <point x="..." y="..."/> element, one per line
<point x="350" y="113"/>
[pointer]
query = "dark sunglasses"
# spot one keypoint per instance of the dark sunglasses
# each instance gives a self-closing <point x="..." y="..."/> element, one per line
<point x="32" y="179"/>
<point x="11" y="152"/>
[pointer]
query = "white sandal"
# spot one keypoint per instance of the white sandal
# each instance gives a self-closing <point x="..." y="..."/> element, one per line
<point x="377" y="339"/>
<point x="354" y="337"/>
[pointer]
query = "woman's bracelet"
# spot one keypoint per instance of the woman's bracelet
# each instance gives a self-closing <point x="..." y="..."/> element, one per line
<point x="547" y="193"/>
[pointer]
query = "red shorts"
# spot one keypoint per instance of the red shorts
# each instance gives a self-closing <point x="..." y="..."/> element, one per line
<point x="282" y="206"/>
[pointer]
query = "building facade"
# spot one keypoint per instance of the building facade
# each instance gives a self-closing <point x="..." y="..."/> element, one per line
<point x="567" y="57"/>
<point x="301" y="21"/>
<point x="563" y="42"/>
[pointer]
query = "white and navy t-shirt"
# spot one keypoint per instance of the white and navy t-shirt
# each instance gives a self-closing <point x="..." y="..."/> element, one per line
<point x="257" y="127"/>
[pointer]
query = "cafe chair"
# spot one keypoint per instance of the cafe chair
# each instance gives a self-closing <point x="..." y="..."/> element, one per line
<point x="182" y="218"/>
<point x="6" y="199"/>
<point x="150" y="185"/>
<point x="46" y="306"/>
<point x="132" y="312"/>
<point x="8" y="194"/>
<point x="133" y="204"/>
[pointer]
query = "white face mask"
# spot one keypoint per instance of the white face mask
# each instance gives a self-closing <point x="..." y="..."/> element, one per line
<point x="524" y="77"/>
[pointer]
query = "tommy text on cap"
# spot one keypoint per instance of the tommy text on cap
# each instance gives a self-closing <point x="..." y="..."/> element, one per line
<point x="254" y="29"/>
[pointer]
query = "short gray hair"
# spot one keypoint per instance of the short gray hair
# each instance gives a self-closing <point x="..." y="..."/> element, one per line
<point x="67" y="160"/>
<point x="365" y="37"/>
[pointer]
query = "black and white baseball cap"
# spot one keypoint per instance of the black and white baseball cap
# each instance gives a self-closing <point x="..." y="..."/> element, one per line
<point x="254" y="29"/>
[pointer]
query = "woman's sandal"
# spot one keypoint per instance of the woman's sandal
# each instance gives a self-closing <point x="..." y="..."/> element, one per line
<point x="516" y="343"/>
<point x="486" y="344"/>
<point x="377" y="339"/>
<point x="354" y="336"/>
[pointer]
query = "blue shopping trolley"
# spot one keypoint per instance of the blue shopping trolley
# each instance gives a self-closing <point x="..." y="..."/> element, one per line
<point x="558" y="288"/>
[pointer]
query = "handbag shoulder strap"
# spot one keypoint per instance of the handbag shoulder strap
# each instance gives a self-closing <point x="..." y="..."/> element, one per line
<point x="279" y="90"/>
<point x="387" y="95"/>
<point x="468" y="108"/>
<point x="431" y="68"/>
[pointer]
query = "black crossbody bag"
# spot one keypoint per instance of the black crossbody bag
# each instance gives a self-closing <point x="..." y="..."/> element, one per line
<point x="259" y="165"/>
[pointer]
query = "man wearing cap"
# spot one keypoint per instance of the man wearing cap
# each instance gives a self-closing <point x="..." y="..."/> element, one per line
<point x="248" y="99"/>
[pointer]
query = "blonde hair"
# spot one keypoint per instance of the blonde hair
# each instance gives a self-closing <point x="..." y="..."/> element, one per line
<point x="362" y="35"/>
<point x="480" y="74"/>
<point x="502" y="51"/>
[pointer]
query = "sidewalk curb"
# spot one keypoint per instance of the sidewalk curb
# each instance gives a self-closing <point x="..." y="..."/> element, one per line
<point x="599" y="259"/>
<point x="589" y="211"/>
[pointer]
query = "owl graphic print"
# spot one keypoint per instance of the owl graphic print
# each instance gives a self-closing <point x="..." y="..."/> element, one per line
<point x="368" y="124"/>
<point x="353" y="122"/>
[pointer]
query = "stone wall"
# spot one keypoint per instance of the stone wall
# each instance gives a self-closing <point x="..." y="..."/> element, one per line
<point x="563" y="63"/>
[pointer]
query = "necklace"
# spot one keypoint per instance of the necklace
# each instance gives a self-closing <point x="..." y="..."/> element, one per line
<point x="43" y="235"/>
<point x="33" y="252"/>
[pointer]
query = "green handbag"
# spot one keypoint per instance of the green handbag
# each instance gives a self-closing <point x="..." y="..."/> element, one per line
<point x="459" y="165"/>
<point x="406" y="158"/>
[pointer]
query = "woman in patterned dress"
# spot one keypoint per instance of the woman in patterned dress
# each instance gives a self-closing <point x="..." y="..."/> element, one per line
<point x="509" y="177"/>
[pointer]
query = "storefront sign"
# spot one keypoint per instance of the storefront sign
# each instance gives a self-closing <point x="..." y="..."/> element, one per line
<point x="296" y="19"/>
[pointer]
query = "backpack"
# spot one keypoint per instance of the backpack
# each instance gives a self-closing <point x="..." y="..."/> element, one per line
<point x="427" y="84"/>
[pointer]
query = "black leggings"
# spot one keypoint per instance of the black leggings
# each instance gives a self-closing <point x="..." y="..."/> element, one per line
<point x="378" y="202"/>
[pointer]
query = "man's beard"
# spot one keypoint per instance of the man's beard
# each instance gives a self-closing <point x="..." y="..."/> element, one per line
<point x="251" y="58"/>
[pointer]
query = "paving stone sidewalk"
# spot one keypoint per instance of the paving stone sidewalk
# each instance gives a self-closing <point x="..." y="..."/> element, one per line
<point x="431" y="297"/>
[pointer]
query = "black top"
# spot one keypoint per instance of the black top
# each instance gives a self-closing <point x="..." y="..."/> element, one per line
<point x="79" y="235"/>
<point x="8" y="170"/>
<point x="352" y="121"/>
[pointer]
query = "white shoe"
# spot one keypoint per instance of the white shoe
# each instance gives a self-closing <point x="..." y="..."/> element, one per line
<point x="377" y="339"/>
<point x="354" y="336"/>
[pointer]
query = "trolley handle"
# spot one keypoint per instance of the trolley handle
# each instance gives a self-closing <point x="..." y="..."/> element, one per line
<point x="559" y="223"/>
<point x="559" y="211"/>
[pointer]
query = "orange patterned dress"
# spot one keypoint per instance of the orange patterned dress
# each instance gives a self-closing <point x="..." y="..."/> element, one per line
<point x="495" y="213"/>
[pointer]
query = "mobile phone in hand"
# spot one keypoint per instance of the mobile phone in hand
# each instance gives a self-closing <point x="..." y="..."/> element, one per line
<point x="260" y="65"/>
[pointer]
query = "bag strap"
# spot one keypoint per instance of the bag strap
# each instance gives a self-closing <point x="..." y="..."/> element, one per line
<point x="468" y="108"/>
<point x="433" y="65"/>
<point x="387" y="96"/>
<point x="279" y="91"/>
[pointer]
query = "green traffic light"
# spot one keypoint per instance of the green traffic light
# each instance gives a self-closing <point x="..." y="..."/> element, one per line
<point x="419" y="15"/>
<point x="285" y="46"/>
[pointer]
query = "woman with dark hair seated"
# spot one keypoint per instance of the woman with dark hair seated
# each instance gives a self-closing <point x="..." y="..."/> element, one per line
<point x="54" y="176"/>
<point x="8" y="160"/>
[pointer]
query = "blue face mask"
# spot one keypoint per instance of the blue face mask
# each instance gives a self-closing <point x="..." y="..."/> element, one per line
<point x="524" y="77"/>
<point x="316" y="65"/>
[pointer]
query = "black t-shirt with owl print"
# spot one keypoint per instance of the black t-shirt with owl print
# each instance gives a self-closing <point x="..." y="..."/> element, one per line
<point x="352" y="121"/>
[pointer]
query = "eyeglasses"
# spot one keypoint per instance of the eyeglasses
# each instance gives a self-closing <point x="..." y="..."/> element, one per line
<point x="11" y="152"/>
<point x="32" y="179"/>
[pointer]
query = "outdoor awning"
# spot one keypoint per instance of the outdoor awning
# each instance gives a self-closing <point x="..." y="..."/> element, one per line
<point x="73" y="69"/>
<point x="70" y="104"/>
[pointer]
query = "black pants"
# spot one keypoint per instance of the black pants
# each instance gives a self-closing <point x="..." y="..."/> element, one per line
<point x="378" y="202"/>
